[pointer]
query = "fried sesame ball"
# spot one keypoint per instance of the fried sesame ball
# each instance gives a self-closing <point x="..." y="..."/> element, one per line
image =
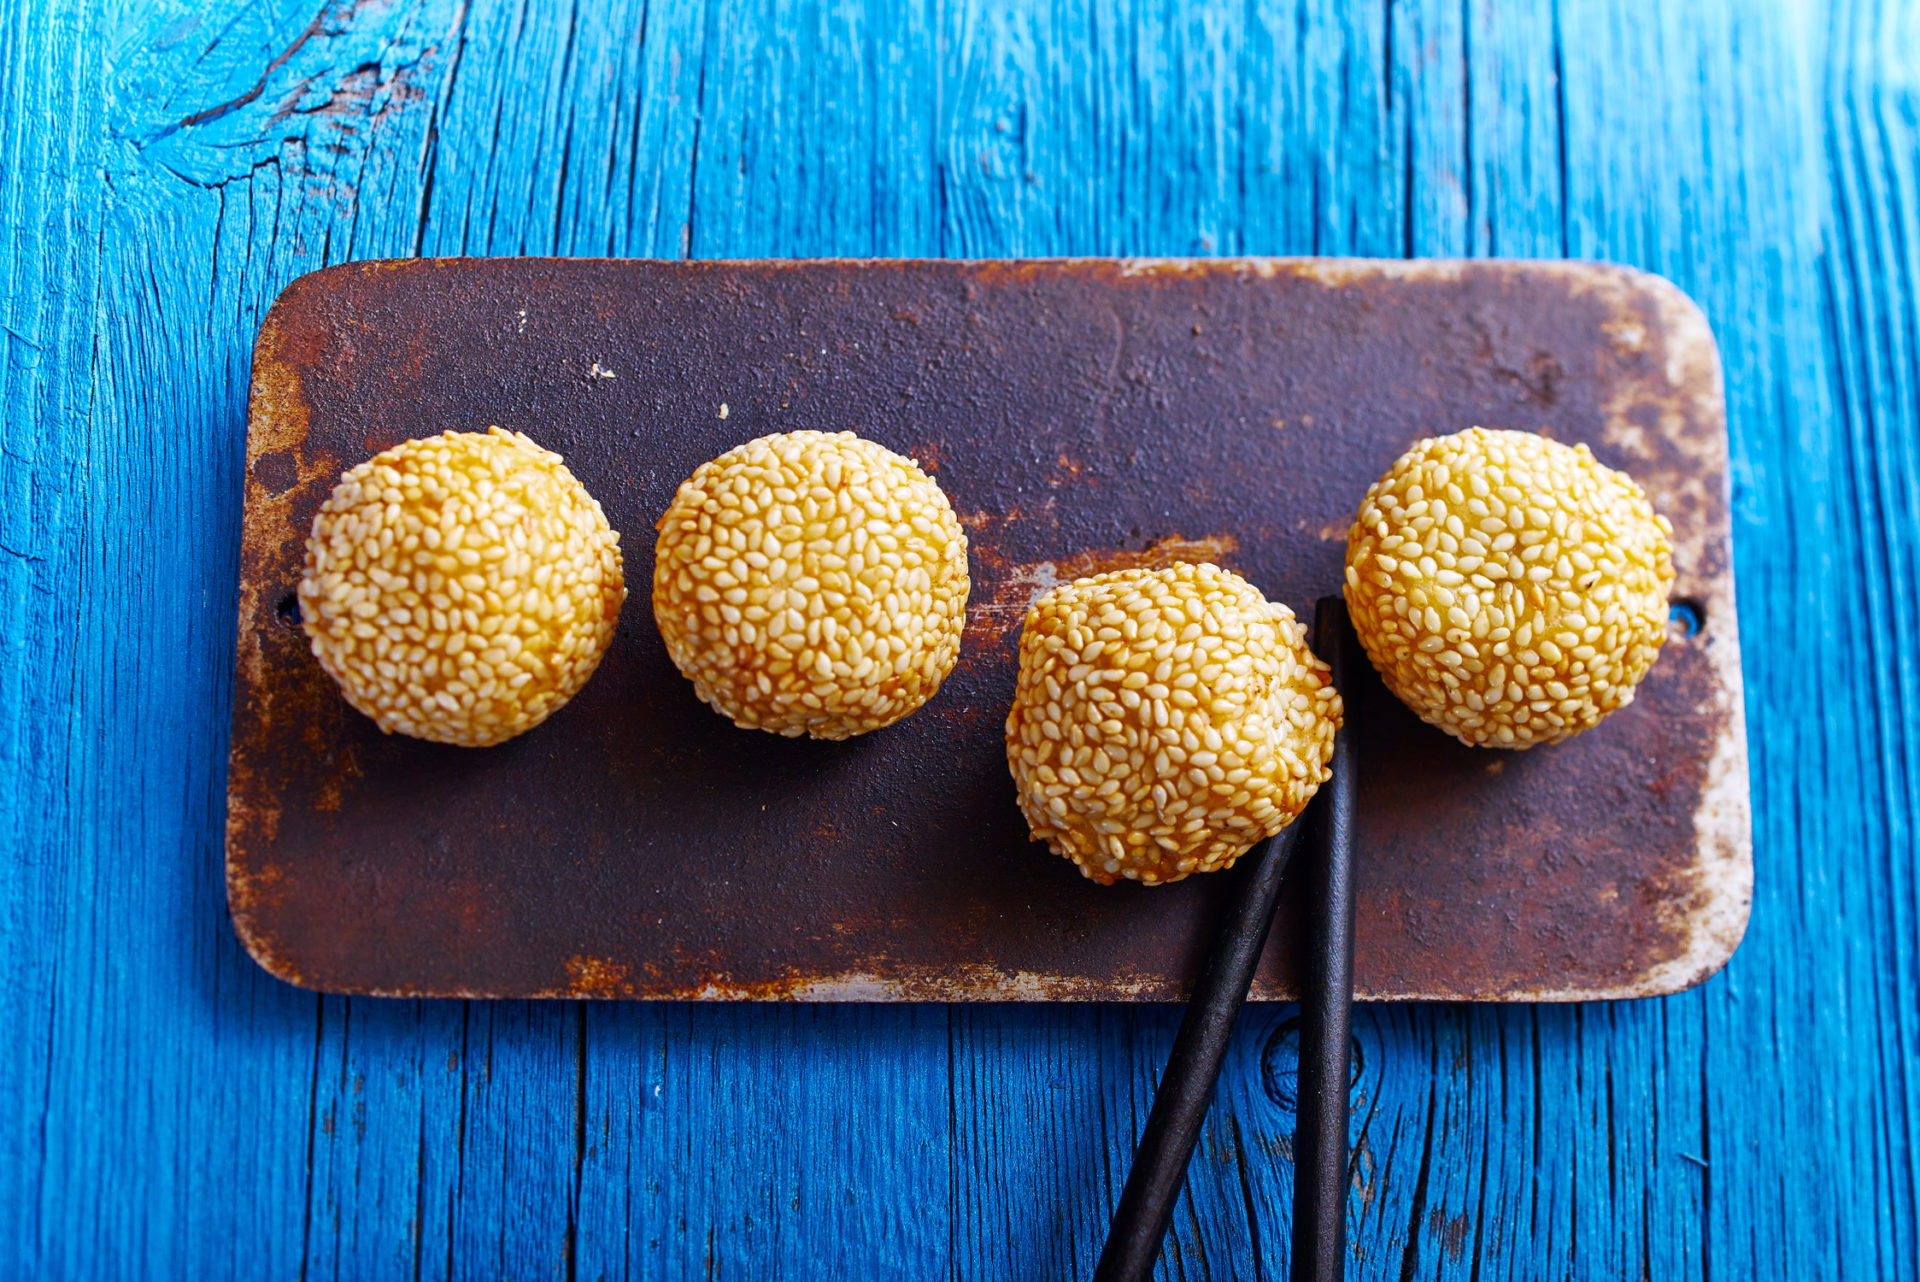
<point x="1164" y="721"/>
<point x="461" y="587"/>
<point x="811" y="583"/>
<point x="1510" y="589"/>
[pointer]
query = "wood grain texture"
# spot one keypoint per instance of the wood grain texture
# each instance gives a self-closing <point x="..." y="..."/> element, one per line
<point x="165" y="168"/>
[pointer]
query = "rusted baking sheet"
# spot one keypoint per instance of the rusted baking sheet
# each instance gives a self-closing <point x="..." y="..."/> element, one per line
<point x="1081" y="415"/>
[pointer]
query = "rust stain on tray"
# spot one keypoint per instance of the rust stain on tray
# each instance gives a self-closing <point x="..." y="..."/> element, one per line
<point x="1015" y="587"/>
<point x="1083" y="415"/>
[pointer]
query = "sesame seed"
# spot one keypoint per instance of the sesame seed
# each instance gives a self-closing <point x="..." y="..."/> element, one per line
<point x="460" y="493"/>
<point x="1563" y="607"/>
<point x="1107" y="734"/>
<point x="841" y="607"/>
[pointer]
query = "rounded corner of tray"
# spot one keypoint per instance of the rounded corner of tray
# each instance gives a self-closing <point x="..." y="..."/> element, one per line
<point x="261" y="946"/>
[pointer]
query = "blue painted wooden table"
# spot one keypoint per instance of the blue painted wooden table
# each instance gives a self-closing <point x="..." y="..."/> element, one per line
<point x="167" y="1110"/>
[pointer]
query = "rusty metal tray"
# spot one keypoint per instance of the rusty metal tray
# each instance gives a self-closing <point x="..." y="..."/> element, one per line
<point x="1081" y="415"/>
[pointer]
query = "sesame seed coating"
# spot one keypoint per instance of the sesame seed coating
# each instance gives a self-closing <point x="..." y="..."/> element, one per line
<point x="461" y="587"/>
<point x="1164" y="721"/>
<point x="811" y="583"/>
<point x="1510" y="589"/>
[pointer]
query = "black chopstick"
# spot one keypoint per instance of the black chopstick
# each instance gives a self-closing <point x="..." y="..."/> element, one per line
<point x="1180" y="1104"/>
<point x="1320" y="1177"/>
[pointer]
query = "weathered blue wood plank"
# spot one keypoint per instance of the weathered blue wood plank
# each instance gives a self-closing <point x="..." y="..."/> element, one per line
<point x="165" y="1109"/>
<point x="1872" y="285"/>
<point x="49" y="282"/>
<point x="130" y="728"/>
<point x="796" y="1142"/>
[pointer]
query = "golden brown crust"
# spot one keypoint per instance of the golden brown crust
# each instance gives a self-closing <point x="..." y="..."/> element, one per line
<point x="811" y="583"/>
<point x="1164" y="721"/>
<point x="1511" y="590"/>
<point x="461" y="587"/>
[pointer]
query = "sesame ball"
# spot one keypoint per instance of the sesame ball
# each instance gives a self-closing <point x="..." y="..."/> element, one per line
<point x="811" y="583"/>
<point x="1510" y="589"/>
<point x="1164" y="721"/>
<point x="461" y="587"/>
